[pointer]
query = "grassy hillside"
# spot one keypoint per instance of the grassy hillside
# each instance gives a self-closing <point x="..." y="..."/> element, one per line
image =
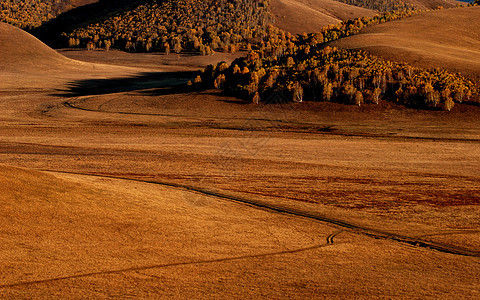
<point x="22" y="53"/>
<point x="444" y="38"/>
<point x="19" y="49"/>
<point x="32" y="13"/>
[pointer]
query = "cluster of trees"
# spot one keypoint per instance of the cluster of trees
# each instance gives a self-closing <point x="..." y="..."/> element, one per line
<point x="313" y="71"/>
<point x="28" y="14"/>
<point x="175" y="26"/>
<point x="389" y="5"/>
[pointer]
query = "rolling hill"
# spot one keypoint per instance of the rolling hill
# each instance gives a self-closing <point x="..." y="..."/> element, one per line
<point x="433" y="4"/>
<point x="22" y="51"/>
<point x="299" y="16"/>
<point x="443" y="38"/>
<point x="27" y="62"/>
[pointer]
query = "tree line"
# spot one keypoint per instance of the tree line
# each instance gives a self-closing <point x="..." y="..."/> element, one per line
<point x="33" y="13"/>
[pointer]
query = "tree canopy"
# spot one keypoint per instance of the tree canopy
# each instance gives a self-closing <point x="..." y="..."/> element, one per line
<point x="32" y="13"/>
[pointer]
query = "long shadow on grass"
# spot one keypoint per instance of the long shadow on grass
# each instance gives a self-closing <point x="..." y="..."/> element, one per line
<point x="160" y="82"/>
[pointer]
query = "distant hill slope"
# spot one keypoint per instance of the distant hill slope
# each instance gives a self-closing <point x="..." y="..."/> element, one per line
<point x="20" y="52"/>
<point x="32" y="13"/>
<point x="299" y="16"/>
<point x="444" y="38"/>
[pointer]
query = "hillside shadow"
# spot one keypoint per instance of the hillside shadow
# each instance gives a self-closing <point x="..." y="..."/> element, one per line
<point x="157" y="83"/>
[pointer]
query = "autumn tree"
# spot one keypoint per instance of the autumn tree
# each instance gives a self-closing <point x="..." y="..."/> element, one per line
<point x="297" y="92"/>
<point x="256" y="98"/>
<point x="358" y="98"/>
<point x="376" y="95"/>
<point x="327" y="91"/>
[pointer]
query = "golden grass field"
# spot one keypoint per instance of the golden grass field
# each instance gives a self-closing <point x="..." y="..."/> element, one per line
<point x="114" y="182"/>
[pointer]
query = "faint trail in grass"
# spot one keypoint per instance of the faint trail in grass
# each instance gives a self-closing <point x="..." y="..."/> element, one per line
<point x="371" y="232"/>
<point x="158" y="266"/>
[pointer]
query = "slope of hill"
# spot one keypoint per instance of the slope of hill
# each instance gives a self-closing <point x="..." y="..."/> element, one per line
<point x="27" y="62"/>
<point x="20" y="50"/>
<point x="29" y="14"/>
<point x="299" y="16"/>
<point x="444" y="38"/>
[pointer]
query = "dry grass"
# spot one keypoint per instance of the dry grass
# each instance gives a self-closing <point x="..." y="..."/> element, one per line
<point x="151" y="61"/>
